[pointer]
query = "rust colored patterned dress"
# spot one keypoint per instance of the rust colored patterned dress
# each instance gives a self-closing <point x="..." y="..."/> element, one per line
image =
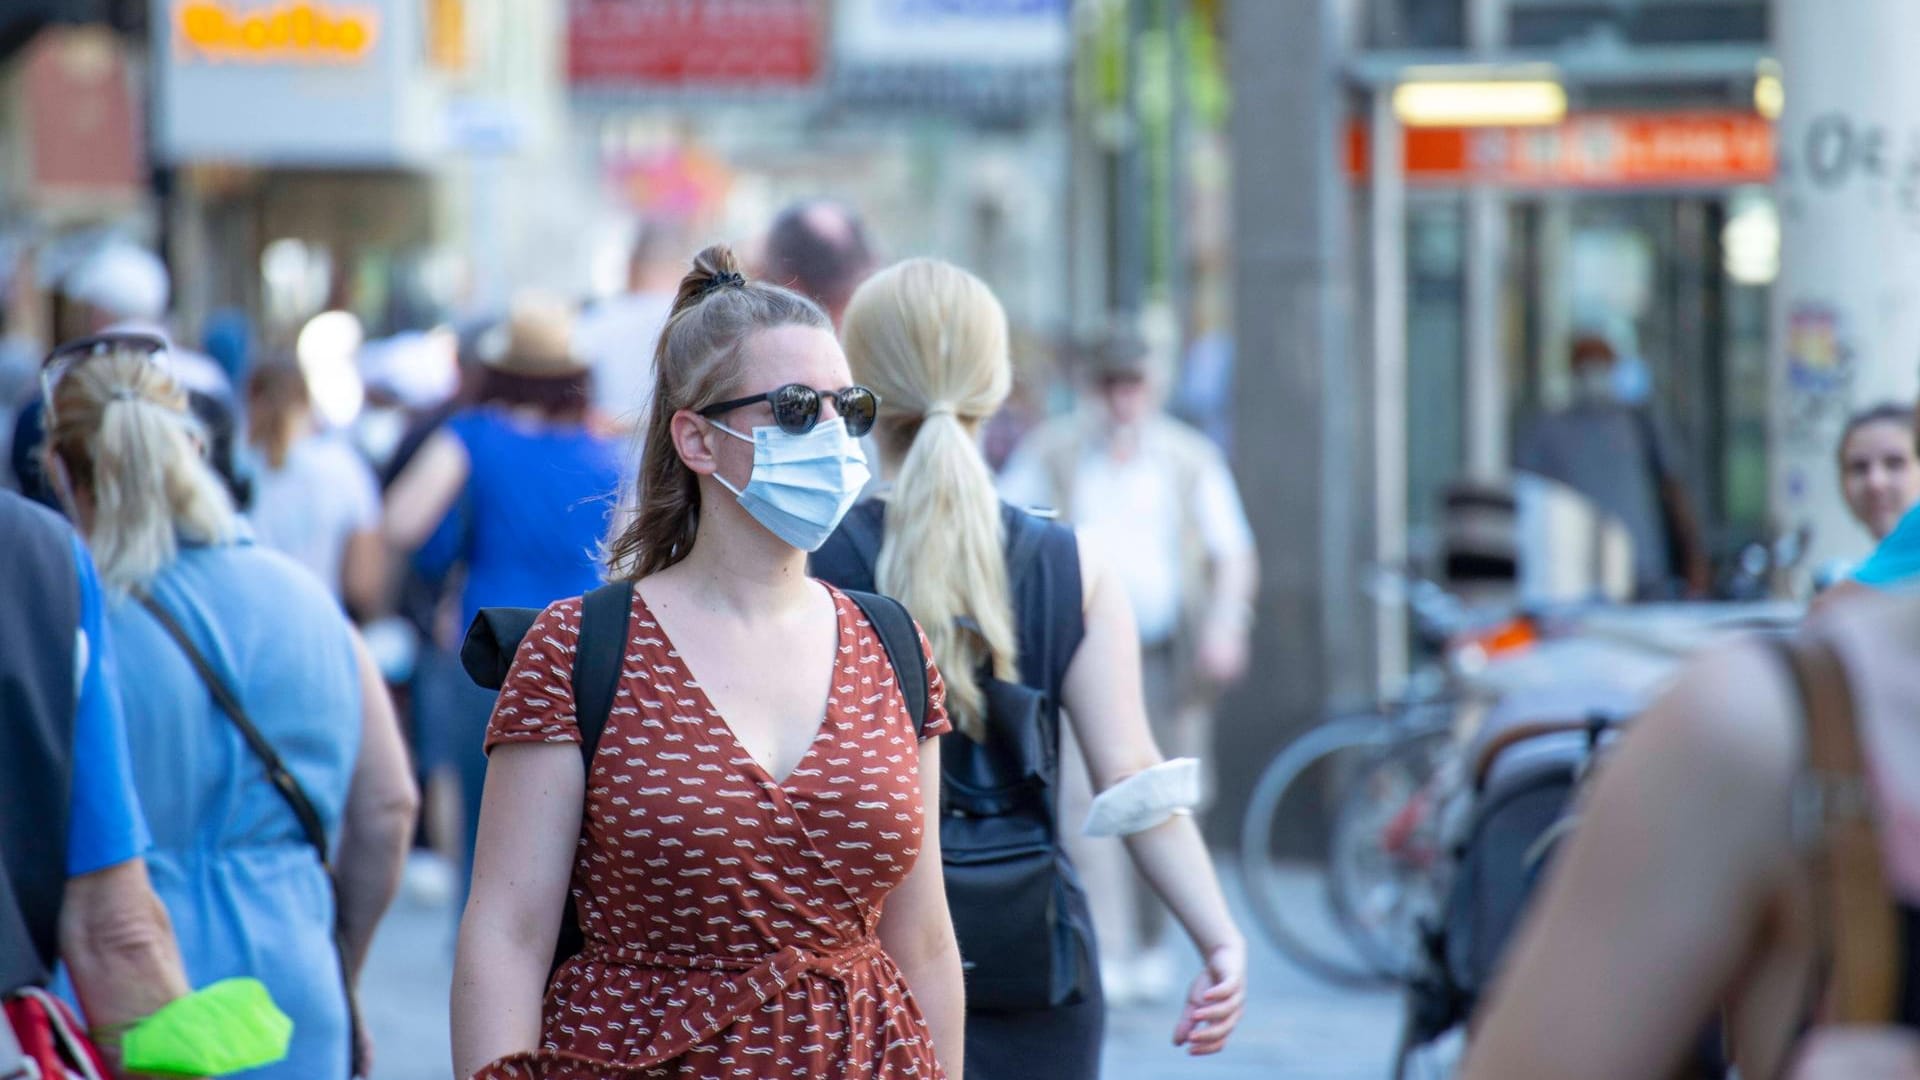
<point x="730" y="919"/>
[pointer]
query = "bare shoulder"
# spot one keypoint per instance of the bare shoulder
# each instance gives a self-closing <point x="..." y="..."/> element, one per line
<point x="1737" y="708"/>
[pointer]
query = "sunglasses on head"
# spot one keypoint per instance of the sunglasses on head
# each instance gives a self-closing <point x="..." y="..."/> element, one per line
<point x="796" y="407"/>
<point x="66" y="357"/>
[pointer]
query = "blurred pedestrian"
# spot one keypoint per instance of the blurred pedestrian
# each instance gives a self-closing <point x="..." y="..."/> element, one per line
<point x="260" y="734"/>
<point x="818" y="248"/>
<point x="1612" y="451"/>
<point x="617" y="335"/>
<point x="1155" y="503"/>
<point x="73" y="886"/>
<point x="1879" y="470"/>
<point x="517" y="489"/>
<point x="315" y="498"/>
<point x="123" y="287"/>
<point x="1752" y="839"/>
<point x="1012" y="597"/>
<point x="762" y="883"/>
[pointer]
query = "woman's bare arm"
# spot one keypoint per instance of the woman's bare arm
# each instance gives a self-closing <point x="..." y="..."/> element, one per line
<point x="1104" y="701"/>
<point x="917" y="930"/>
<point x="423" y="492"/>
<point x="1660" y="901"/>
<point x="523" y="858"/>
<point x="381" y="807"/>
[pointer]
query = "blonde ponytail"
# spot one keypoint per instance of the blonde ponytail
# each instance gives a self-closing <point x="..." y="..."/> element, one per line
<point x="122" y="432"/>
<point x="931" y="340"/>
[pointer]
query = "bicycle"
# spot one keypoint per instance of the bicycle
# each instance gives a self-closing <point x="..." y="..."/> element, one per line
<point x="1379" y="778"/>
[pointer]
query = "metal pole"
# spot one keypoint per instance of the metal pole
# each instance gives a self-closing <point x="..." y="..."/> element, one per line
<point x="1485" y="390"/>
<point x="1173" y="22"/>
<point x="1387" y="223"/>
<point x="1132" y="217"/>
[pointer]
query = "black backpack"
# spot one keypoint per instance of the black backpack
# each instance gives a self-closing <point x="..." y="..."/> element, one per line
<point x="495" y="635"/>
<point x="1017" y="906"/>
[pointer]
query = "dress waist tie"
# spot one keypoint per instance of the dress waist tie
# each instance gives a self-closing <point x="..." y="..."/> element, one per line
<point x="758" y="980"/>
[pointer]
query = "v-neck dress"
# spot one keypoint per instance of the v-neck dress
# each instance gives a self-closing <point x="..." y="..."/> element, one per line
<point x="730" y="919"/>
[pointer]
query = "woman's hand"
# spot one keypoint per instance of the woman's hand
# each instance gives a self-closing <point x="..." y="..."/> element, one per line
<point x="1214" y="1004"/>
<point x="1850" y="1053"/>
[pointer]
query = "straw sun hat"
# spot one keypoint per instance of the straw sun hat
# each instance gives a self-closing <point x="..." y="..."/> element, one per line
<point x="537" y="339"/>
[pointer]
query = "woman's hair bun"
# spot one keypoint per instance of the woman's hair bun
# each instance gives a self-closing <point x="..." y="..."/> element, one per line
<point x="714" y="268"/>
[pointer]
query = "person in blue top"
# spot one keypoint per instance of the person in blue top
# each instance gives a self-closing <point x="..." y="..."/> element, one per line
<point x="519" y="489"/>
<point x="247" y="893"/>
<point x="83" y="899"/>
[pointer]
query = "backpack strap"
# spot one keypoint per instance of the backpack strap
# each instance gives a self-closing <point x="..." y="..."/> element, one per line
<point x="284" y="782"/>
<point x="898" y="636"/>
<point x="597" y="659"/>
<point x="1856" y="919"/>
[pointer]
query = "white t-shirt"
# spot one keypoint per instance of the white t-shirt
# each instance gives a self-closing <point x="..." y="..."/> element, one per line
<point x="308" y="507"/>
<point x="1128" y="512"/>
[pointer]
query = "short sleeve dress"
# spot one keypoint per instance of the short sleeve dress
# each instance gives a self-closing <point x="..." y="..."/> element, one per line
<point x="730" y="918"/>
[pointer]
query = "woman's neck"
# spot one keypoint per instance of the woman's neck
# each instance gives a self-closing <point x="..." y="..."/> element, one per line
<point x="738" y="567"/>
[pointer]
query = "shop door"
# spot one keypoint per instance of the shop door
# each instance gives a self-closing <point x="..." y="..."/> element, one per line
<point x="1652" y="273"/>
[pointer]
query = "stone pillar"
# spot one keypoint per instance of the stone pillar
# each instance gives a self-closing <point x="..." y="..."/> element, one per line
<point x="1846" y="310"/>
<point x="1300" y="452"/>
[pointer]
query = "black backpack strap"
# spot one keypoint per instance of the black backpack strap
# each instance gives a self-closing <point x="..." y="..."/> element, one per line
<point x="597" y="659"/>
<point x="899" y="637"/>
<point x="283" y="782"/>
<point x="223" y="696"/>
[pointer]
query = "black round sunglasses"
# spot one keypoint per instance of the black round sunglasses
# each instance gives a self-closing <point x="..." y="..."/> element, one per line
<point x="796" y="407"/>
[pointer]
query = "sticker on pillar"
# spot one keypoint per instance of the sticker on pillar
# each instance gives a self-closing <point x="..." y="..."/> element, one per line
<point x="1819" y="375"/>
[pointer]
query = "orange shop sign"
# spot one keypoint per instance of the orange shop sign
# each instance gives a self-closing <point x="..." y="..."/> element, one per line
<point x="300" y="32"/>
<point x="1588" y="150"/>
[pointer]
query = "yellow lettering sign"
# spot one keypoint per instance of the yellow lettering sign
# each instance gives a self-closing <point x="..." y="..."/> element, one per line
<point x="299" y="32"/>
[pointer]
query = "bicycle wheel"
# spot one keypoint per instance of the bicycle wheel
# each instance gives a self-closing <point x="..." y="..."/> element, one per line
<point x="1387" y="846"/>
<point x="1288" y="892"/>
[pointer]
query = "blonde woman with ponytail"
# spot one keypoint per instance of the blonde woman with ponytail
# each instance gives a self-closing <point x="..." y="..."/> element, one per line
<point x="1006" y="596"/>
<point x="246" y="890"/>
<point x="753" y="848"/>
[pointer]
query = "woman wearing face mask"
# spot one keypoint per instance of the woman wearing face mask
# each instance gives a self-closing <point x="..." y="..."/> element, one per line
<point x="1009" y="596"/>
<point x="1879" y="473"/>
<point x="755" y="880"/>
<point x="517" y="489"/>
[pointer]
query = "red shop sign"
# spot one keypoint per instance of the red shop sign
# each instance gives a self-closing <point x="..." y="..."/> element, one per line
<point x="695" y="44"/>
<point x="1588" y="150"/>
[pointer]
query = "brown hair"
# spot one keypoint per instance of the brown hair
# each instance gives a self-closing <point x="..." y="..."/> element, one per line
<point x="1887" y="412"/>
<point x="561" y="399"/>
<point x="697" y="362"/>
<point x="277" y="395"/>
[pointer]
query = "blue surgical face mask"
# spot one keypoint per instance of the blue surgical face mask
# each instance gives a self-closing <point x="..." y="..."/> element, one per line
<point x="801" y="485"/>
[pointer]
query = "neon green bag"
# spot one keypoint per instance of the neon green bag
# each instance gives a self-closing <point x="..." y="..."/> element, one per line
<point x="224" y="1028"/>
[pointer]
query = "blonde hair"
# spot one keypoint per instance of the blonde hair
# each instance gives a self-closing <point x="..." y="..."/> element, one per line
<point x="931" y="340"/>
<point x="120" y="426"/>
<point x="696" y="363"/>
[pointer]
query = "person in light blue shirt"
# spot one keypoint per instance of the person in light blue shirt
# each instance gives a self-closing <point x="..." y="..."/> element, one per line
<point x="247" y="892"/>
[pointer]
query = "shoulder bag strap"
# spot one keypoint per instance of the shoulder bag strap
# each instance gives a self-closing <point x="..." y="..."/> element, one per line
<point x="289" y="788"/>
<point x="277" y="773"/>
<point x="1856" y="919"/>
<point x="898" y="636"/>
<point x="597" y="660"/>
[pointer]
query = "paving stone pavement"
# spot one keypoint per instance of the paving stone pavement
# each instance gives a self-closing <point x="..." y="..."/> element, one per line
<point x="1295" y="1028"/>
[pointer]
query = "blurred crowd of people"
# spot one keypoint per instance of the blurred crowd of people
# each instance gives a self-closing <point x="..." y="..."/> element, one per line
<point x="293" y="539"/>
